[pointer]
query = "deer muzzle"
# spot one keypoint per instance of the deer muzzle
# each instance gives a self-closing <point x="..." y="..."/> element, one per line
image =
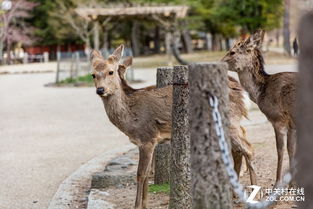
<point x="100" y="91"/>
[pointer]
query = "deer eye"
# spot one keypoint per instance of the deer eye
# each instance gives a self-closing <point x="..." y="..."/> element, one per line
<point x="111" y="73"/>
<point x="93" y="76"/>
<point x="232" y="53"/>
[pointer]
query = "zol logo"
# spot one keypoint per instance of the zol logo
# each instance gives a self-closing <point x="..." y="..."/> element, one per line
<point x="253" y="194"/>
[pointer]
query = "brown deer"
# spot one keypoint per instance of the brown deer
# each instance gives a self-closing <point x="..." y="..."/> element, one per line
<point x="274" y="94"/>
<point x="144" y="115"/>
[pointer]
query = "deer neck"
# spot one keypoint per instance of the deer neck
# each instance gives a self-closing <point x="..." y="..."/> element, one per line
<point x="117" y="109"/>
<point x="254" y="82"/>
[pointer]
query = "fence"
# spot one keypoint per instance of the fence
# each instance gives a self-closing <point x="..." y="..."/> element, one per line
<point x="75" y="64"/>
<point x="71" y="65"/>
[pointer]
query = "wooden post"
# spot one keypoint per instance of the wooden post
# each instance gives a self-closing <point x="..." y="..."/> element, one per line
<point x="162" y="151"/>
<point x="77" y="63"/>
<point x="57" y="78"/>
<point x="180" y="177"/>
<point x="210" y="183"/>
<point x="305" y="112"/>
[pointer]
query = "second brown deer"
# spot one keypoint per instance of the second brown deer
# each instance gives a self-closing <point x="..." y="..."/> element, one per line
<point x="274" y="94"/>
<point x="144" y="115"/>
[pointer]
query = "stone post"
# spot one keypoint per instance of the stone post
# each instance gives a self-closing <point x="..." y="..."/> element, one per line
<point x="210" y="183"/>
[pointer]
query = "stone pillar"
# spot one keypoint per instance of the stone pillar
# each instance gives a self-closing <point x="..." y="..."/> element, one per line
<point x="180" y="177"/>
<point x="210" y="183"/>
<point x="305" y="112"/>
<point x="162" y="151"/>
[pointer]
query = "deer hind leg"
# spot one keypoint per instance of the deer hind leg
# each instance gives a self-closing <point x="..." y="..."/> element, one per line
<point x="248" y="154"/>
<point x="145" y="158"/>
<point x="151" y="173"/>
<point x="252" y="174"/>
<point x="291" y="147"/>
<point x="280" y="135"/>
<point x="237" y="156"/>
<point x="247" y="151"/>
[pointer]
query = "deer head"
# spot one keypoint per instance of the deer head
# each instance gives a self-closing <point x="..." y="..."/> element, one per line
<point x="245" y="52"/>
<point x="105" y="72"/>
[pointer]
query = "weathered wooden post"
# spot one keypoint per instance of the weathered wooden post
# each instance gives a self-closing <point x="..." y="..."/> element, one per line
<point x="162" y="151"/>
<point x="180" y="178"/>
<point x="305" y="112"/>
<point x="57" y="78"/>
<point x="210" y="183"/>
<point x="77" y="63"/>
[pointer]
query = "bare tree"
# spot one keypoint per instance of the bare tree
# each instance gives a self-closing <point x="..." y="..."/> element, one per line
<point x="13" y="27"/>
<point x="286" y="29"/>
<point x="65" y="13"/>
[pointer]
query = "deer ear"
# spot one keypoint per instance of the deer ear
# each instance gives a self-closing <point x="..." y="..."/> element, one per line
<point x="256" y="39"/>
<point x="95" y="54"/>
<point x="118" y="53"/>
<point x="128" y="61"/>
<point x="121" y="71"/>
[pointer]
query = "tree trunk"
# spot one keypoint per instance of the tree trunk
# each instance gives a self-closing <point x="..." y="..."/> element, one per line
<point x="277" y="37"/>
<point x="180" y="177"/>
<point x="105" y="42"/>
<point x="208" y="42"/>
<point x="210" y="183"/>
<point x="162" y="151"/>
<point x="134" y="38"/>
<point x="305" y="112"/>
<point x="214" y="42"/>
<point x="8" y="61"/>
<point x="96" y="36"/>
<point x="168" y="39"/>
<point x="157" y="40"/>
<point x="286" y="28"/>
<point x="227" y="44"/>
<point x="187" y="41"/>
<point x="1" y="52"/>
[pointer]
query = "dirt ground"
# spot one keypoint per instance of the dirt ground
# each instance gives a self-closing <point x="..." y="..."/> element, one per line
<point x="260" y="133"/>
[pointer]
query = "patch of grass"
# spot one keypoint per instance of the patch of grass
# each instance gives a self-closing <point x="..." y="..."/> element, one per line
<point x="159" y="188"/>
<point x="86" y="79"/>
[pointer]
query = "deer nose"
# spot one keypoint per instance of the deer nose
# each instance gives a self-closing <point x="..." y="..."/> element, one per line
<point x="100" y="90"/>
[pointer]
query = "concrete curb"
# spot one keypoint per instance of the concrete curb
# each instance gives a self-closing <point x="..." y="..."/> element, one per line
<point x="73" y="191"/>
<point x="44" y="67"/>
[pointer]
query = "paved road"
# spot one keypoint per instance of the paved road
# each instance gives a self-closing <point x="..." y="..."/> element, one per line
<point x="47" y="133"/>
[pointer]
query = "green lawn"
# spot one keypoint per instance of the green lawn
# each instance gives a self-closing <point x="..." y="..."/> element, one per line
<point x="159" y="188"/>
<point x="86" y="79"/>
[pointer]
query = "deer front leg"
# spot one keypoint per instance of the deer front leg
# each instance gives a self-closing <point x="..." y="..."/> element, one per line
<point x="279" y="134"/>
<point x="291" y="147"/>
<point x="145" y="157"/>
